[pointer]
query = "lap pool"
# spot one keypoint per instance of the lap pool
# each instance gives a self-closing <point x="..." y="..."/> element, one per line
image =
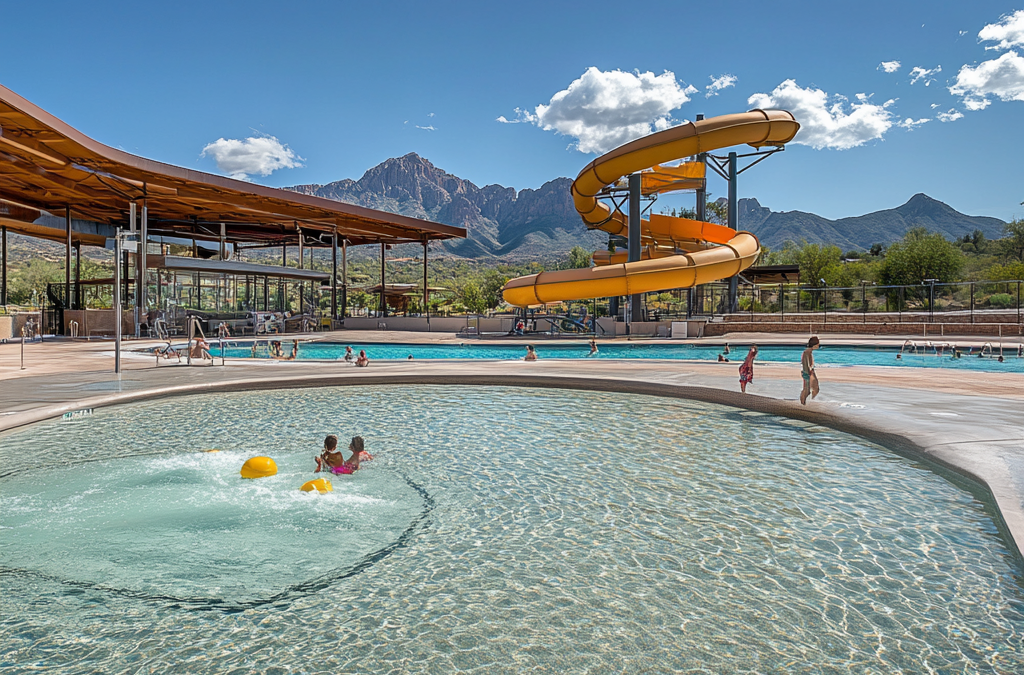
<point x="827" y="355"/>
<point x="496" y="530"/>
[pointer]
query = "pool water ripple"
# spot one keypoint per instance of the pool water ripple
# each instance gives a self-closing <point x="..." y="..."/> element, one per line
<point x="552" y="530"/>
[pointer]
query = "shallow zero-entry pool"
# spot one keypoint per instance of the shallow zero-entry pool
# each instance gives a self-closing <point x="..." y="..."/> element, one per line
<point x="495" y="531"/>
<point x="828" y="355"/>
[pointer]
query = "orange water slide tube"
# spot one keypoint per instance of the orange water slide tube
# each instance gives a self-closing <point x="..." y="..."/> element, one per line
<point x="735" y="251"/>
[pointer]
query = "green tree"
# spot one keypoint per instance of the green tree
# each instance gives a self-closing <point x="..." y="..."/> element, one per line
<point x="1011" y="246"/>
<point x="819" y="263"/>
<point x="876" y="250"/>
<point x="579" y="258"/>
<point x="473" y="298"/>
<point x="920" y="255"/>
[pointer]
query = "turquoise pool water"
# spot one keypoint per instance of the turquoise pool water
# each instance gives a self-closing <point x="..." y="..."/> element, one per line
<point x="496" y="531"/>
<point x="826" y="356"/>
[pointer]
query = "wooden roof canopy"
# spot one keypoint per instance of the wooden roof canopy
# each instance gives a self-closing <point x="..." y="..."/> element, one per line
<point x="47" y="165"/>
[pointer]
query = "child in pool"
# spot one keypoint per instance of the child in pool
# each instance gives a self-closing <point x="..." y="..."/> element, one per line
<point x="331" y="459"/>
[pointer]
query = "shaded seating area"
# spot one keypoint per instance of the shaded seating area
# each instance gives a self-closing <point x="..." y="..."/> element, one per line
<point x="58" y="184"/>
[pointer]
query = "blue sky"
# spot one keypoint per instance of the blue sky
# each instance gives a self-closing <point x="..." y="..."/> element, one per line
<point x="343" y="86"/>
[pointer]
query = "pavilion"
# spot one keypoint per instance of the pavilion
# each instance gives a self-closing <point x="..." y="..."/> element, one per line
<point x="58" y="184"/>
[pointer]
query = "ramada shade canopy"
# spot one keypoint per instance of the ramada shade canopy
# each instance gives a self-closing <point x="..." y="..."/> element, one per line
<point x="46" y="165"/>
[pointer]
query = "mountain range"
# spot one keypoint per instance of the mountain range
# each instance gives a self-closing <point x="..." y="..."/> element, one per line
<point x="542" y="223"/>
<point x="509" y="225"/>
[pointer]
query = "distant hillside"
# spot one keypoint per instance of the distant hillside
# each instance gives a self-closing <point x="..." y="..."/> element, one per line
<point x="500" y="222"/>
<point x="859" y="232"/>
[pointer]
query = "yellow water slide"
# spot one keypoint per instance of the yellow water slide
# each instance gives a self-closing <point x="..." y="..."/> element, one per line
<point x="676" y="252"/>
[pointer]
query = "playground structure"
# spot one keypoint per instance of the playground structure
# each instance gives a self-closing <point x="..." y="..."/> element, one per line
<point x="663" y="252"/>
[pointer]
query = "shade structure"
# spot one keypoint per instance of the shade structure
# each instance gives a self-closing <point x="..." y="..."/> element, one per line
<point x="48" y="166"/>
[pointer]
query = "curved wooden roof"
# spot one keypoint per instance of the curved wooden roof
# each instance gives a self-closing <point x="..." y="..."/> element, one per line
<point x="46" y="164"/>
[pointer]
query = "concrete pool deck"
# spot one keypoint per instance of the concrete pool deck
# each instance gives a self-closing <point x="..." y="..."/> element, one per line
<point x="970" y="422"/>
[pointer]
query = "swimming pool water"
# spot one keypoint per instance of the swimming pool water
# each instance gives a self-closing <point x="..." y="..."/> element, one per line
<point x="825" y="356"/>
<point x="495" y="531"/>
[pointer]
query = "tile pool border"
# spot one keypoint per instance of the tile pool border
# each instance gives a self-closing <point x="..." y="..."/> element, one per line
<point x="983" y="470"/>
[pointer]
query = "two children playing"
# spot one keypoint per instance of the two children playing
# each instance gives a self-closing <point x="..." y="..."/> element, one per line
<point x="332" y="460"/>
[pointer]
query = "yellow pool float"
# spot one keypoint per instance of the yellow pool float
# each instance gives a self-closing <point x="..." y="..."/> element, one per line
<point x="321" y="485"/>
<point x="258" y="467"/>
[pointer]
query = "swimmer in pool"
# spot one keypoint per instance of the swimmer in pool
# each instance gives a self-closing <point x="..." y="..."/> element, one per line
<point x="331" y="457"/>
<point x="807" y="371"/>
<point x="593" y="347"/>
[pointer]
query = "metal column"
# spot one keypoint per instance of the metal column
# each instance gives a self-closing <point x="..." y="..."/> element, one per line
<point x="3" y="265"/>
<point x="117" y="301"/>
<point x="344" y="278"/>
<point x="383" y="299"/>
<point x="67" y="260"/>
<point x="734" y="224"/>
<point x="635" y="300"/>
<point x="302" y="284"/>
<point x="78" y="276"/>
<point x="334" y="276"/>
<point x="142" y="292"/>
<point x="426" y="294"/>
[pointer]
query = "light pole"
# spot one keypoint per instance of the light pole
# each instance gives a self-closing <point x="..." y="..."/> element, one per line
<point x="931" y="299"/>
<point x="864" y="298"/>
<point x="824" y="304"/>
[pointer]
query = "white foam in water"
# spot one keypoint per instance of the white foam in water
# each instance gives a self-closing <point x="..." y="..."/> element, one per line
<point x="495" y="531"/>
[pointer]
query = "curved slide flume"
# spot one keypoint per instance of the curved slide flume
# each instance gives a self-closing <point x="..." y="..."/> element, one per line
<point x="678" y="252"/>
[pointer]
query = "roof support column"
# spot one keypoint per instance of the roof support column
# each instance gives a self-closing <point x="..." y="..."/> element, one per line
<point x="142" y="292"/>
<point x="302" y="284"/>
<point x="383" y="299"/>
<point x="426" y="293"/>
<point x="223" y="240"/>
<point x="344" y="278"/>
<point x="117" y="300"/>
<point x="334" y="275"/>
<point x="67" y="262"/>
<point x="132" y="221"/>
<point x="3" y="265"/>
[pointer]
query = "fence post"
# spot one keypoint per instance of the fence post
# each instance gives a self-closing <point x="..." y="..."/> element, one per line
<point x="972" y="302"/>
<point x="1018" y="302"/>
<point x="899" y="306"/>
<point x="782" y="302"/>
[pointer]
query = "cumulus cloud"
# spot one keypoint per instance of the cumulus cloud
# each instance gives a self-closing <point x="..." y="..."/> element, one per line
<point x="918" y="73"/>
<point x="889" y="66"/>
<point x="604" y="109"/>
<point x="1008" y="32"/>
<point x="910" y="123"/>
<point x="824" y="124"/>
<point x="952" y="115"/>
<point x="256" y="155"/>
<point x="718" y="84"/>
<point x="1002" y="77"/>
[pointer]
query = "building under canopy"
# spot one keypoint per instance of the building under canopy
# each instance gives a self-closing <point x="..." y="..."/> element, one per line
<point x="58" y="184"/>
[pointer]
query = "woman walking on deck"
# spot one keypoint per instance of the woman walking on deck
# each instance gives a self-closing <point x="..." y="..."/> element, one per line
<point x="747" y="369"/>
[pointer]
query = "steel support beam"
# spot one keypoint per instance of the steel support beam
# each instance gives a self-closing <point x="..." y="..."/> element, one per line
<point x="142" y="292"/>
<point x="426" y="293"/>
<point x="383" y="297"/>
<point x="635" y="300"/>
<point x="344" y="278"/>
<point x="334" y="275"/>
<point x="734" y="224"/>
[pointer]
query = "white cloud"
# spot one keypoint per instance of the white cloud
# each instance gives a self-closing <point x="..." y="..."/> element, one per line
<point x="718" y="84"/>
<point x="256" y="155"/>
<point x="889" y="66"/>
<point x="430" y="114"/>
<point x="918" y="73"/>
<point x="910" y="123"/>
<point x="824" y="125"/>
<point x="1009" y="31"/>
<point x="427" y="128"/>
<point x="934" y="106"/>
<point x="602" y="110"/>
<point x="1002" y="77"/>
<point x="952" y="115"/>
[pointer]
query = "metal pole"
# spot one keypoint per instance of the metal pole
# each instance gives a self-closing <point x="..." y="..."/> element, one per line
<point x="282" y="285"/>
<point x="1018" y="302"/>
<point x="133" y="215"/>
<point x="142" y="292"/>
<point x="383" y="300"/>
<point x="78" y="275"/>
<point x="634" y="240"/>
<point x="223" y="240"/>
<point x="3" y="266"/>
<point x="782" y="302"/>
<point x="334" y="275"/>
<point x="864" y="301"/>
<point x="702" y="192"/>
<point x="67" y="260"/>
<point x="426" y="293"/>
<point x="734" y="224"/>
<point x="972" y="302"/>
<point x="344" y="278"/>
<point x="302" y="284"/>
<point x="117" y="302"/>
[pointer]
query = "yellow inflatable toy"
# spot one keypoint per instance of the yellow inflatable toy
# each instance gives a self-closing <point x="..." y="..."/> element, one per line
<point x="321" y="485"/>
<point x="259" y="467"/>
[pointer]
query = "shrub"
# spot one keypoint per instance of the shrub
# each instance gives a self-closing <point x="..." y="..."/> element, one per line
<point x="1001" y="300"/>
